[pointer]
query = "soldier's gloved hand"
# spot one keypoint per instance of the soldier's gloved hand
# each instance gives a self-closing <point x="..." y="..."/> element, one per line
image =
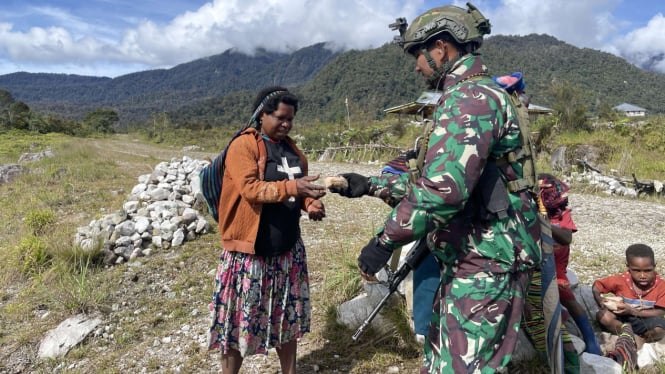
<point x="373" y="257"/>
<point x="358" y="185"/>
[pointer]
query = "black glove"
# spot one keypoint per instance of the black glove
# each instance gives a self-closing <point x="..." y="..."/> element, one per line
<point x="373" y="257"/>
<point x="358" y="185"/>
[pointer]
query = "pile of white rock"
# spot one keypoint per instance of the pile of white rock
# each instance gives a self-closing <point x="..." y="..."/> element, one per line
<point x="609" y="185"/>
<point x="159" y="214"/>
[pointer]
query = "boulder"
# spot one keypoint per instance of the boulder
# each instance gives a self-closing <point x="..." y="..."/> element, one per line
<point x="67" y="335"/>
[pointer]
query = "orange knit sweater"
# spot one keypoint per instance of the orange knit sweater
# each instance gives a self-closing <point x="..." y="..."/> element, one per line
<point x="244" y="190"/>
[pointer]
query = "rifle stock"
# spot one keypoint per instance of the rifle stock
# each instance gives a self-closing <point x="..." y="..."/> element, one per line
<point x="413" y="258"/>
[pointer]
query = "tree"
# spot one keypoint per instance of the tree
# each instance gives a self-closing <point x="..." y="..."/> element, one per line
<point x="159" y="127"/>
<point x="6" y="99"/>
<point x="17" y="115"/>
<point x="101" y="121"/>
<point x="569" y="102"/>
<point x="606" y="112"/>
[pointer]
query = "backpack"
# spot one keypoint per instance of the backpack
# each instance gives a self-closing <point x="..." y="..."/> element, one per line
<point x="211" y="178"/>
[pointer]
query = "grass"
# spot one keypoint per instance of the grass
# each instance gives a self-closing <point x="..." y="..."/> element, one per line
<point x="45" y="279"/>
<point x="624" y="151"/>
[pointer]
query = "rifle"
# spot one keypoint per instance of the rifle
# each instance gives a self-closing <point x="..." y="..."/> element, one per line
<point x="413" y="258"/>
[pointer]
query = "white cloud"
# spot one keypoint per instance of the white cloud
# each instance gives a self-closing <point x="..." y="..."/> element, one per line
<point x="81" y="43"/>
<point x="642" y="44"/>
<point x="590" y="23"/>
<point x="213" y="28"/>
<point x="271" y="24"/>
<point x="582" y="23"/>
<point x="53" y="44"/>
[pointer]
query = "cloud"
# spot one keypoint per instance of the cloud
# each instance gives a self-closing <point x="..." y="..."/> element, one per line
<point x="48" y="45"/>
<point x="274" y="25"/>
<point x="590" y="23"/>
<point x="211" y="29"/>
<point x="111" y="44"/>
<point x="582" y="23"/>
<point x="645" y="46"/>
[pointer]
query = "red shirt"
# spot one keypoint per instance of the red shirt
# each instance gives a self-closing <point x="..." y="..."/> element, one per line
<point x="562" y="252"/>
<point x="622" y="285"/>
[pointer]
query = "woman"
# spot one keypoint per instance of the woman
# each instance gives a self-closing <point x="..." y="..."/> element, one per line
<point x="261" y="297"/>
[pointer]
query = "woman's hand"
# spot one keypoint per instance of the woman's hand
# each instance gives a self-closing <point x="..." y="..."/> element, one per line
<point x="316" y="210"/>
<point x="308" y="189"/>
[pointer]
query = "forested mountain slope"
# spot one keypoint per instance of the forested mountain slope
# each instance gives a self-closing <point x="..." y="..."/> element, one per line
<point x="218" y="89"/>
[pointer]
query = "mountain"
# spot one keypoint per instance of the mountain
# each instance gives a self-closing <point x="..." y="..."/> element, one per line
<point x="135" y="96"/>
<point x="603" y="76"/>
<point x="384" y="77"/>
<point x="219" y="89"/>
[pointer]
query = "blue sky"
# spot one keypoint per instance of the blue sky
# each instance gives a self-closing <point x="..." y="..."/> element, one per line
<point x="117" y="37"/>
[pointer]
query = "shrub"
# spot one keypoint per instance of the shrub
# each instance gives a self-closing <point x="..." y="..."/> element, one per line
<point x="39" y="220"/>
<point x="34" y="256"/>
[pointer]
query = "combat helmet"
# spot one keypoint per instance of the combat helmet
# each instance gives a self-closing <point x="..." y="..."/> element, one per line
<point x="465" y="26"/>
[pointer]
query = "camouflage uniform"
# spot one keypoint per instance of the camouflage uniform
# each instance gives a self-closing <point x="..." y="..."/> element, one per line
<point x="485" y="263"/>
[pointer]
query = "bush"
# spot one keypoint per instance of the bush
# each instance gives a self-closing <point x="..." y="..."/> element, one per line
<point x="38" y="221"/>
<point x="34" y="256"/>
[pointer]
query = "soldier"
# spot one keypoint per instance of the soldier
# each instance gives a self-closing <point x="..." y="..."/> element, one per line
<point x="470" y="200"/>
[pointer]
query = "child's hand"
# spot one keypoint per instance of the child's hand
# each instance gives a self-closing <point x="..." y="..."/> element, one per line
<point x="624" y="309"/>
<point x="612" y="302"/>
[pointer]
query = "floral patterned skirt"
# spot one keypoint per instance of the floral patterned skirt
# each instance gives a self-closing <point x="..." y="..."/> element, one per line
<point x="260" y="302"/>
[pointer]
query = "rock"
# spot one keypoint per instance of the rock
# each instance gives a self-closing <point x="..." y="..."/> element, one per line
<point x="558" y="159"/>
<point x="524" y="350"/>
<point x="142" y="225"/>
<point x="159" y="194"/>
<point x="594" y="364"/>
<point x="647" y="356"/>
<point x="178" y="238"/>
<point x="32" y="157"/>
<point x="353" y="313"/>
<point x="68" y="334"/>
<point x="584" y="296"/>
<point x="9" y="172"/>
<point x="158" y="214"/>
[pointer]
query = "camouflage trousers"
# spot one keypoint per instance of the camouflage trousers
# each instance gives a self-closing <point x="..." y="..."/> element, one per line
<point x="475" y="323"/>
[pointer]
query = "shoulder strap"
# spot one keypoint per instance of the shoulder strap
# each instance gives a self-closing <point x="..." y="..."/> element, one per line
<point x="524" y="154"/>
<point x="416" y="166"/>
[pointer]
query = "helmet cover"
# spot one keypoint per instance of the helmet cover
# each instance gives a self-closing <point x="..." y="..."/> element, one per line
<point x="464" y="25"/>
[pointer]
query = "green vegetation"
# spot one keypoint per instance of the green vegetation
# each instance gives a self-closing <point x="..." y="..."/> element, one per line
<point x="17" y="115"/>
<point x="216" y="91"/>
<point x="625" y="148"/>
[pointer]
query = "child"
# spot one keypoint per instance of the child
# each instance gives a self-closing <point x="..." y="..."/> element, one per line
<point x="554" y="195"/>
<point x="642" y="292"/>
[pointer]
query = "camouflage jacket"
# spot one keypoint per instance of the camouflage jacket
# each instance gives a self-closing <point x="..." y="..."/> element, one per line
<point x="473" y="123"/>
